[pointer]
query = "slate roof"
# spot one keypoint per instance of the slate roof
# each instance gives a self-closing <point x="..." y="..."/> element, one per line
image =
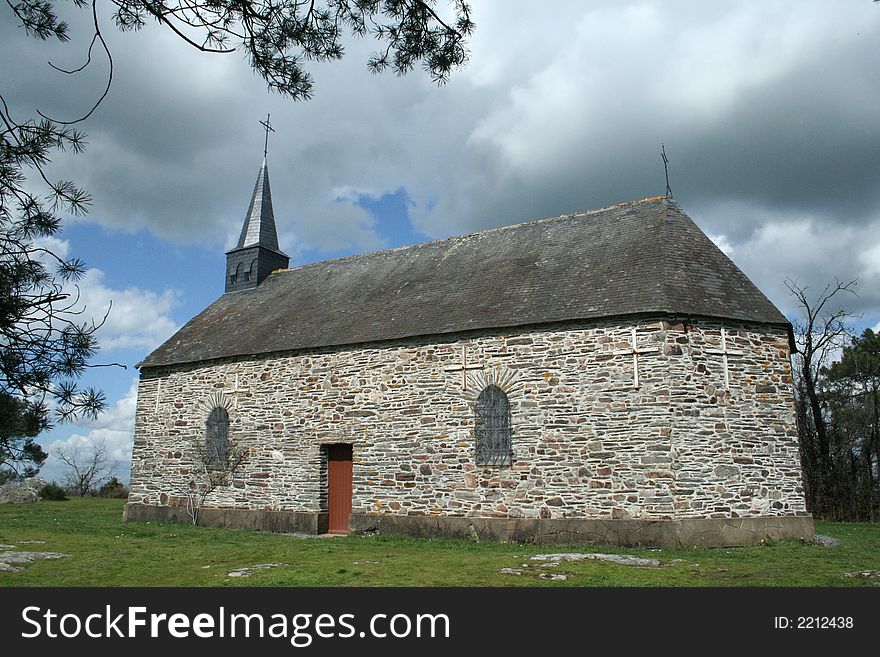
<point x="634" y="258"/>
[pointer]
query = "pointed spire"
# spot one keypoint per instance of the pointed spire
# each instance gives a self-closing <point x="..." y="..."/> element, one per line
<point x="259" y="224"/>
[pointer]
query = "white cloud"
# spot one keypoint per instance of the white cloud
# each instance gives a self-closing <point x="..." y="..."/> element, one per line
<point x="723" y="243"/>
<point x="137" y="318"/>
<point x="339" y="224"/>
<point x="870" y="259"/>
<point x="808" y="249"/>
<point x="617" y="65"/>
<point x="56" y="245"/>
<point x="132" y="317"/>
<point x="114" y="429"/>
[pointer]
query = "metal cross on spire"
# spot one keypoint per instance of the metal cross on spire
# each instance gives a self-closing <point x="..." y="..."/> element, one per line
<point x="269" y="128"/>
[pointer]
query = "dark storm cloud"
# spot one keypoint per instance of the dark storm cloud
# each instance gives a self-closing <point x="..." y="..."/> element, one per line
<point x="809" y="143"/>
<point x="788" y="128"/>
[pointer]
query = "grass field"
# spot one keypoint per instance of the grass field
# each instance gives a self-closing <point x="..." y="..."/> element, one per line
<point x="104" y="551"/>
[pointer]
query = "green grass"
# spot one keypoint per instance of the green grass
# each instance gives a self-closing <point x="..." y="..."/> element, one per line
<point x="104" y="551"/>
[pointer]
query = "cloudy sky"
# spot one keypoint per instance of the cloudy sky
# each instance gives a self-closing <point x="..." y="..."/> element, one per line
<point x="768" y="109"/>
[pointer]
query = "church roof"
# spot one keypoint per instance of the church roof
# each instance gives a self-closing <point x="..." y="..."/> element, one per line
<point x="259" y="224"/>
<point x="644" y="257"/>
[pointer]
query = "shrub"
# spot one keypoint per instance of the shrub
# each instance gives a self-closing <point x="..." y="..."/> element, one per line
<point x="114" y="489"/>
<point x="54" y="492"/>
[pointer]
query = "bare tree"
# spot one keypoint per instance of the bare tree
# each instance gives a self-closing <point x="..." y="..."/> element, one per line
<point x="86" y="469"/>
<point x="823" y="331"/>
<point x="212" y="468"/>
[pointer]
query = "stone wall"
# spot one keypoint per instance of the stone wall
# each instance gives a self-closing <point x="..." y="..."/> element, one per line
<point x="587" y="443"/>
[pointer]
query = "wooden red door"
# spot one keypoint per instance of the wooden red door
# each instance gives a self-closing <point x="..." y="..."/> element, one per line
<point x="338" y="488"/>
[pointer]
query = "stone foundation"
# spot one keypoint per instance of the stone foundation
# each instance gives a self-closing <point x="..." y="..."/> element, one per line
<point x="285" y="522"/>
<point x="690" y="532"/>
<point x="687" y="532"/>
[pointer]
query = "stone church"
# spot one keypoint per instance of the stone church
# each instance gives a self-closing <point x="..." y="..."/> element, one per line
<point x="605" y="376"/>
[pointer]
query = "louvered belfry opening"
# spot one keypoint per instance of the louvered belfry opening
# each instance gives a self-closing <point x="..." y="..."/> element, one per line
<point x="493" y="427"/>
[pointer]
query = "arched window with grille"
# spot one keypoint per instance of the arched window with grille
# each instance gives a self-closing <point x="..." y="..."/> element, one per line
<point x="217" y="437"/>
<point x="493" y="427"/>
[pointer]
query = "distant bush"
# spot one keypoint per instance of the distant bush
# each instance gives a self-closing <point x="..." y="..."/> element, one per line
<point x="54" y="492"/>
<point x="113" y="489"/>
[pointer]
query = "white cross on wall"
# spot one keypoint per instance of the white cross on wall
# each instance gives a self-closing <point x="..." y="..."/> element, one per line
<point x="725" y="352"/>
<point x="464" y="367"/>
<point x="634" y="351"/>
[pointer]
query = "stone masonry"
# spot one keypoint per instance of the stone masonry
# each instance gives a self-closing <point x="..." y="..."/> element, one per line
<point x="687" y="443"/>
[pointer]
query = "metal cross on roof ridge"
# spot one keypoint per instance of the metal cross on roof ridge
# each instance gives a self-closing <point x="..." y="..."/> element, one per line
<point x="268" y="126"/>
<point x="665" y="168"/>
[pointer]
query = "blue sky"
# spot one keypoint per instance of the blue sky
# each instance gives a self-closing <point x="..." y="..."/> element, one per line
<point x="768" y="112"/>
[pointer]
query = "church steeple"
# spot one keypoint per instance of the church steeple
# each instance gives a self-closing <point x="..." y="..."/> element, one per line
<point x="259" y="224"/>
<point x="257" y="253"/>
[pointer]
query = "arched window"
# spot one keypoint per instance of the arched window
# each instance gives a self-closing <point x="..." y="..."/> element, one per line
<point x="217" y="437"/>
<point x="493" y="427"/>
